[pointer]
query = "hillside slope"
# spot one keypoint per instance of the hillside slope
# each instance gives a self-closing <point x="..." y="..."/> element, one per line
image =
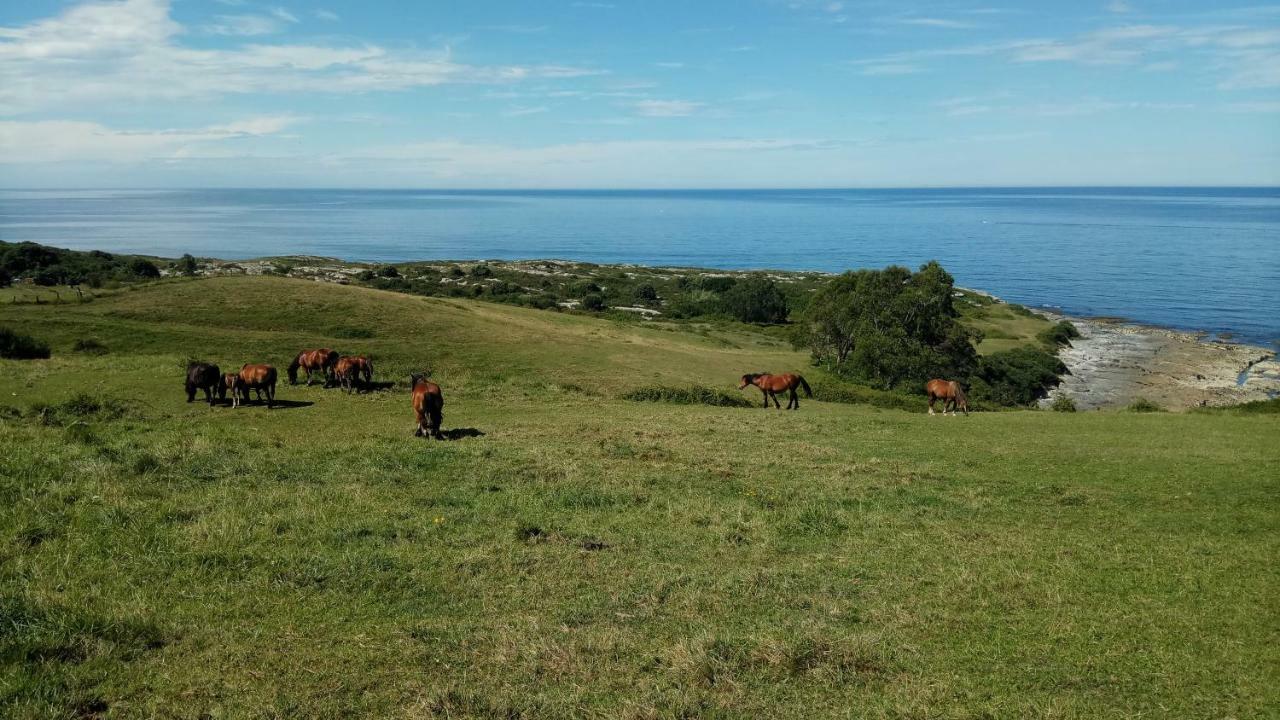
<point x="575" y="555"/>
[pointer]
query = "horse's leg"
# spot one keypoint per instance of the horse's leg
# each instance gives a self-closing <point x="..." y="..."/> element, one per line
<point x="765" y="394"/>
<point x="794" y="403"/>
<point x="271" y="395"/>
<point x="931" y="399"/>
<point x="776" y="404"/>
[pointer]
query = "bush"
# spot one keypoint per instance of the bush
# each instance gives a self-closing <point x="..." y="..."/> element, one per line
<point x="645" y="294"/>
<point x="1017" y="377"/>
<point x="756" y="299"/>
<point x="89" y="346"/>
<point x="1063" y="403"/>
<point x="389" y="271"/>
<point x="688" y="395"/>
<point x="851" y="394"/>
<point x="1143" y="405"/>
<point x="593" y="302"/>
<point x="17" y="346"/>
<point x="1059" y="334"/>
<point x="143" y="268"/>
<point x="481" y="271"/>
<point x="186" y="265"/>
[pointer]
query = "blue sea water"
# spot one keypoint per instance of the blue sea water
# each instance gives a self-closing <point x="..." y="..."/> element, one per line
<point x="1193" y="258"/>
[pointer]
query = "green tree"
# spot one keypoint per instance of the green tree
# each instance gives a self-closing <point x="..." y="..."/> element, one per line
<point x="888" y="327"/>
<point x="143" y="268"/>
<point x="186" y="265"/>
<point x="755" y="299"/>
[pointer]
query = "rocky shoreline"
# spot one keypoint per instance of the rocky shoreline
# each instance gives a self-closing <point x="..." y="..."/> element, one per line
<point x="1115" y="362"/>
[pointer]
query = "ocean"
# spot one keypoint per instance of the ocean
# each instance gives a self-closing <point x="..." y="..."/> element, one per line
<point x="1189" y="258"/>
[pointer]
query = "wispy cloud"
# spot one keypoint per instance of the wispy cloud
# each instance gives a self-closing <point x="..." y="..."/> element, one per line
<point x="62" y="140"/>
<point x="1119" y="6"/>
<point x="667" y="108"/>
<point x="326" y="15"/>
<point x="131" y="50"/>
<point x="244" y="25"/>
<point x="936" y="23"/>
<point x="521" y="111"/>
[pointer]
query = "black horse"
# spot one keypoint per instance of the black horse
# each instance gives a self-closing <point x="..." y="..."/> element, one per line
<point x="205" y="377"/>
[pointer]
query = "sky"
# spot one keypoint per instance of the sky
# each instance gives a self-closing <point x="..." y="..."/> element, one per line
<point x="638" y="93"/>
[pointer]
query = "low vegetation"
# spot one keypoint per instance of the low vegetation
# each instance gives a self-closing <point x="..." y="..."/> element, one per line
<point x="19" y="346"/>
<point x="573" y="554"/>
<point x="688" y="395"/>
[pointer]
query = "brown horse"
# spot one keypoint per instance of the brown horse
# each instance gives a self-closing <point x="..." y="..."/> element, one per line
<point x="229" y="382"/>
<point x="428" y="403"/>
<point x="949" y="392"/>
<point x="257" y="378"/>
<point x="771" y="385"/>
<point x="352" y="369"/>
<point x="312" y="361"/>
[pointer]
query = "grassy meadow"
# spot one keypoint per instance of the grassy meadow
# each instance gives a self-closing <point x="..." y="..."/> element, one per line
<point x="569" y="553"/>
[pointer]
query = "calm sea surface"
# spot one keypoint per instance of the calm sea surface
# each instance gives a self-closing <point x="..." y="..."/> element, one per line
<point x="1195" y="258"/>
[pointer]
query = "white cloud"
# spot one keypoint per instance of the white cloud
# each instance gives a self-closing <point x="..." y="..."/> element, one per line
<point x="128" y="50"/>
<point x="284" y="15"/>
<point x="66" y="140"/>
<point x="937" y="23"/>
<point x="667" y="108"/>
<point x="326" y="15"/>
<point x="1119" y="6"/>
<point x="890" y="68"/>
<point x="245" y="25"/>
<point x="521" y="111"/>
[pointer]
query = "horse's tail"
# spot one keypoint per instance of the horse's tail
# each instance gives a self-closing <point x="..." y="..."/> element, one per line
<point x="293" y="369"/>
<point x="805" y="385"/>
<point x="368" y="371"/>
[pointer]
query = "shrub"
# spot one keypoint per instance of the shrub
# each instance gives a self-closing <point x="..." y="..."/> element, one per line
<point x="89" y="346"/>
<point x="1017" y="377"/>
<point x="1062" y="403"/>
<point x="645" y="294"/>
<point x="593" y="302"/>
<point x="688" y="395"/>
<point x="1059" y="334"/>
<point x="16" y="346"/>
<point x="1143" y="405"/>
<point x="186" y="265"/>
<point x="389" y="271"/>
<point x="756" y="299"/>
<point x="481" y="271"/>
<point x="143" y="268"/>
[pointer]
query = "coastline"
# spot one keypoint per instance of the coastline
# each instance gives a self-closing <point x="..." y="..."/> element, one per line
<point x="1116" y="362"/>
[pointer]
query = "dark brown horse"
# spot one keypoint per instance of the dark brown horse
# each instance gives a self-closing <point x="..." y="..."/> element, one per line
<point x="771" y="385"/>
<point x="203" y="376"/>
<point x="949" y="392"/>
<point x="313" y="361"/>
<point x="428" y="403"/>
<point x="258" y="378"/>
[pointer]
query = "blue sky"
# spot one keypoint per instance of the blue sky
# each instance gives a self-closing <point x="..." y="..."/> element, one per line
<point x="614" y="93"/>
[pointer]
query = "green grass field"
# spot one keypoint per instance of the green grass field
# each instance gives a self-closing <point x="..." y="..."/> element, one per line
<point x="572" y="554"/>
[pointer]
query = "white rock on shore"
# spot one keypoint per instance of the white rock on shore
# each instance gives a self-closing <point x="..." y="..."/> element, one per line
<point x="1115" y="363"/>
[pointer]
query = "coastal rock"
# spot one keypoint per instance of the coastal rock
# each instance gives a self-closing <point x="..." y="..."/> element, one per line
<point x="1114" y="363"/>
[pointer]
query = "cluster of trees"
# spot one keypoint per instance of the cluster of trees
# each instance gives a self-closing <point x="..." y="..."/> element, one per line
<point x="895" y="329"/>
<point x="49" y="266"/>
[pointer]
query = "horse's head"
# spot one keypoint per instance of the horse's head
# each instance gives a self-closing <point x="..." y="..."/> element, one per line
<point x="293" y="369"/>
<point x="748" y="379"/>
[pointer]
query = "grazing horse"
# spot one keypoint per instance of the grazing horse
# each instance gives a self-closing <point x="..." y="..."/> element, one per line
<point x="312" y="361"/>
<point x="427" y="405"/>
<point x="202" y="376"/>
<point x="346" y="372"/>
<point x="949" y="392"/>
<point x="257" y="378"/>
<point x="771" y="385"/>
<point x="229" y="382"/>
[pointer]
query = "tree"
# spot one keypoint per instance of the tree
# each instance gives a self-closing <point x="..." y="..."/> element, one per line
<point x="888" y="327"/>
<point x="593" y="302"/>
<point x="755" y="299"/>
<point x="645" y="294"/>
<point x="143" y="268"/>
<point x="186" y="265"/>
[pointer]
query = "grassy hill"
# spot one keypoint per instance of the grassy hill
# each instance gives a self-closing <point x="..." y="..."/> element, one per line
<point x="572" y="554"/>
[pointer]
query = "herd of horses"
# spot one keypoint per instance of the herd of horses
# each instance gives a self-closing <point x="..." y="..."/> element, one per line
<point x="345" y="371"/>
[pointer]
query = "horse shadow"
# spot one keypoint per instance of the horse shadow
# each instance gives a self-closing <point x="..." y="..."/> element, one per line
<point x="287" y="404"/>
<point x="460" y="433"/>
